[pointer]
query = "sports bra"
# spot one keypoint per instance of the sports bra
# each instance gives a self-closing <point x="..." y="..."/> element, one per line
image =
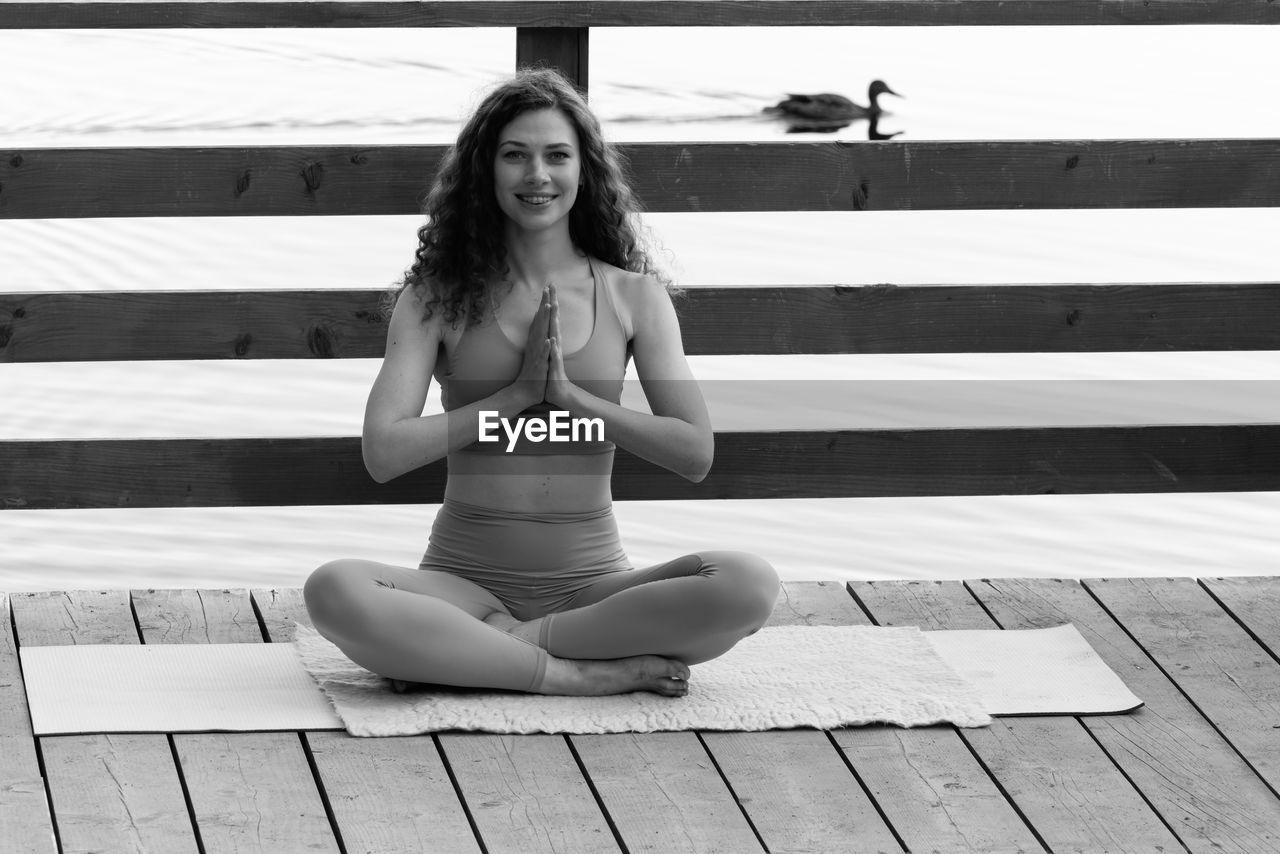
<point x="486" y="360"/>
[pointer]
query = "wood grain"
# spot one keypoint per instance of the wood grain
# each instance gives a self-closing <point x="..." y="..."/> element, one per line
<point x="1254" y="602"/>
<point x="52" y="183"/>
<point x="250" y="791"/>
<point x="794" y="786"/>
<point x="1211" y="799"/>
<point x="1231" y="679"/>
<point x="928" y="784"/>
<point x="109" y="792"/>
<point x="135" y="14"/>
<point x="1067" y="788"/>
<point x="527" y="794"/>
<point x="390" y="795"/>
<point x="787" y="464"/>
<point x="338" y="324"/>
<point x="25" y="823"/>
<point x="664" y="794"/>
<point x="563" y="48"/>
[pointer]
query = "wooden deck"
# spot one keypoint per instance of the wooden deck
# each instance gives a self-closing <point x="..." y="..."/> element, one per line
<point x="1197" y="769"/>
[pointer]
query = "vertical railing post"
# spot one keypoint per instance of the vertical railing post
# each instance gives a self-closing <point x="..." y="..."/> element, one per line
<point x="564" y="48"/>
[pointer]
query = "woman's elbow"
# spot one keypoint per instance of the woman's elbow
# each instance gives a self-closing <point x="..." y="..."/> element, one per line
<point x="698" y="466"/>
<point x="376" y="461"/>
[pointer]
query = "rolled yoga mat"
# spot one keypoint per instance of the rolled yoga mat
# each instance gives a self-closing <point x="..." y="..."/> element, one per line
<point x="778" y="678"/>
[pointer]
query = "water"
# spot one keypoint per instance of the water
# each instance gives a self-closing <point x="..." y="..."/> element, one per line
<point x="158" y="88"/>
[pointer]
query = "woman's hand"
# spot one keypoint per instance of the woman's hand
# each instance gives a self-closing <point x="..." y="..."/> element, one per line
<point x="559" y="385"/>
<point x="532" y="379"/>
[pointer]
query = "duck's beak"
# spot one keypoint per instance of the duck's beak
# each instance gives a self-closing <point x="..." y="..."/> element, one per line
<point x="889" y="91"/>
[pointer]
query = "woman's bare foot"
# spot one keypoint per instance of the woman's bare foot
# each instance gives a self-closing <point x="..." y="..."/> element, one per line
<point x="590" y="678"/>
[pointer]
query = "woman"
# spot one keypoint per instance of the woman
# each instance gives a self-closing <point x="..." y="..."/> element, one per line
<point x="529" y="295"/>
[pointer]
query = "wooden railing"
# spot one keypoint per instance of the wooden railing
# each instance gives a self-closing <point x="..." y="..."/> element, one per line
<point x="818" y="176"/>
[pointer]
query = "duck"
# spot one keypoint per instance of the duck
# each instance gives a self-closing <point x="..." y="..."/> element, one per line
<point x="830" y="107"/>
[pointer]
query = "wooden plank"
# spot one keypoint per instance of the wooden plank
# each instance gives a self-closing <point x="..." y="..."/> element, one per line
<point x="664" y="793"/>
<point x="108" y="792"/>
<point x="318" y="324"/>
<point x="925" y="780"/>
<point x="565" y="48"/>
<point x="386" y="794"/>
<point x="50" y="183"/>
<point x="1212" y="800"/>
<point x="522" y="796"/>
<point x="1231" y="679"/>
<point x="526" y="793"/>
<point x="25" y="823"/>
<point x="299" y="324"/>
<point x="250" y="791"/>
<point x="1065" y="786"/>
<point x="787" y="464"/>
<point x="934" y="791"/>
<point x="1254" y="602"/>
<point x="794" y="785"/>
<point x="135" y="14"/>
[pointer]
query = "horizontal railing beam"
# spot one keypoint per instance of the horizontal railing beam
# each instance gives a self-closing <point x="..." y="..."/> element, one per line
<point x="140" y="325"/>
<point x="142" y="14"/>
<point x="48" y="183"/>
<point x="821" y="464"/>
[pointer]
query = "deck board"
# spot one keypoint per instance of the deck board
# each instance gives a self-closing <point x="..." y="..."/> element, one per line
<point x="1062" y="782"/>
<point x="1229" y="677"/>
<point x="665" y="794"/>
<point x="1167" y="748"/>
<point x="1172" y="775"/>
<point x="249" y="791"/>
<point x="934" y="792"/>
<point x="795" y="786"/>
<point x="387" y="795"/>
<point x="25" y="823"/>
<point x="527" y="793"/>
<point x="109" y="792"/>
<point x="1254" y="602"/>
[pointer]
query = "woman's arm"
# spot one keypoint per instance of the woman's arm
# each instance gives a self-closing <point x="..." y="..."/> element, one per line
<point x="677" y="436"/>
<point x="397" y="437"/>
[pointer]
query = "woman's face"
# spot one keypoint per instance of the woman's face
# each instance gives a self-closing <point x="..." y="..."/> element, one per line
<point x="536" y="170"/>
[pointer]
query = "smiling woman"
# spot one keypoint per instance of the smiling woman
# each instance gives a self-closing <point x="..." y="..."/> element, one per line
<point x="525" y="586"/>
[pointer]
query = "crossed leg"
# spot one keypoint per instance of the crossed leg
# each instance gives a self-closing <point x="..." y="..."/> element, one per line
<point x="631" y="630"/>
<point x="694" y="608"/>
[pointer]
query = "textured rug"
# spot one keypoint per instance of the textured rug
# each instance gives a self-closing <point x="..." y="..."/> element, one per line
<point x="778" y="678"/>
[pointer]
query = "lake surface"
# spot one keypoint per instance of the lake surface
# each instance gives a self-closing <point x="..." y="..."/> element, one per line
<point x="251" y="87"/>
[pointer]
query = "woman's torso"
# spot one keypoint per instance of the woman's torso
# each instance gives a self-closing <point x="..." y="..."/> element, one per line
<point x="479" y="360"/>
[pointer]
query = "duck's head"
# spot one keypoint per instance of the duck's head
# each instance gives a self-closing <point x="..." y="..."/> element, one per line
<point x="878" y="88"/>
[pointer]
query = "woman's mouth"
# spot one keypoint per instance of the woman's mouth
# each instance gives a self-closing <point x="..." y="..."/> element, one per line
<point x="536" y="200"/>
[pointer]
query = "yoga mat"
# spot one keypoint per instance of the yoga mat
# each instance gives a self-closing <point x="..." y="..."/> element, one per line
<point x="821" y="676"/>
<point x="171" y="688"/>
<point x="1035" y="671"/>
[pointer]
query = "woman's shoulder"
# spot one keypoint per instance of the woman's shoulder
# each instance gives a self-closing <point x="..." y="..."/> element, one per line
<point x="418" y="311"/>
<point x="634" y="289"/>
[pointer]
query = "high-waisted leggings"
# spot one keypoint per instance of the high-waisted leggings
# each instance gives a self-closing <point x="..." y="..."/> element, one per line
<point x="567" y="569"/>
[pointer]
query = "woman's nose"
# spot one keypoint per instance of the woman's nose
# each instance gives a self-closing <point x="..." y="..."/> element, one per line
<point x="536" y="172"/>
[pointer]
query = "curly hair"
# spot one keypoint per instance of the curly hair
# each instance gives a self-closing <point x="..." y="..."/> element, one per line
<point x="461" y="248"/>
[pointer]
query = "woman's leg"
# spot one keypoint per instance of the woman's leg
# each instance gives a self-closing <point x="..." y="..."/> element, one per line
<point x="419" y="626"/>
<point x="692" y="609"/>
<point x="427" y="626"/>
